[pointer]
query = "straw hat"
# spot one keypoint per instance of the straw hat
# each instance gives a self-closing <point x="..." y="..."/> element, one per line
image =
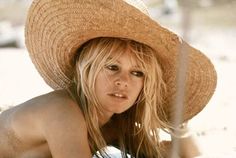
<point x="56" y="28"/>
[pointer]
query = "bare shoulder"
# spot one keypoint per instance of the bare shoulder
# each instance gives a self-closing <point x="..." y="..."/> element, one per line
<point x="56" y="104"/>
<point x="34" y="118"/>
<point x="55" y="119"/>
<point x="59" y="107"/>
<point x="63" y="123"/>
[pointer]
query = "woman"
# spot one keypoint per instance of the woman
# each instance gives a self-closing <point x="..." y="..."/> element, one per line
<point x="113" y="71"/>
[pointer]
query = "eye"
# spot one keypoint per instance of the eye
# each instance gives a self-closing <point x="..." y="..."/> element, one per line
<point x="137" y="73"/>
<point x="112" y="67"/>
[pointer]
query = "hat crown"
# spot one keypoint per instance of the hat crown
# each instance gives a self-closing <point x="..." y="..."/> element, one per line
<point x="139" y="4"/>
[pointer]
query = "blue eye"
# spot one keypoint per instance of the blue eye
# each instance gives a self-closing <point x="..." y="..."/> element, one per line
<point x="112" y="67"/>
<point x="138" y="73"/>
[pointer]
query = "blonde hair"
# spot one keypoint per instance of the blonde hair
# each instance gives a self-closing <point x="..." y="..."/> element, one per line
<point x="138" y="126"/>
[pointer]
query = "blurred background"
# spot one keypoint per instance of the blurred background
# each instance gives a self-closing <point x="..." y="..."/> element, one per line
<point x="209" y="25"/>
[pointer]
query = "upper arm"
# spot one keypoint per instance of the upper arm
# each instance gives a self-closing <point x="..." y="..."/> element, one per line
<point x="65" y="131"/>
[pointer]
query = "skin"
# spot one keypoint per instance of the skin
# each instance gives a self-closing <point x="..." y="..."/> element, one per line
<point x="51" y="121"/>
<point x="118" y="85"/>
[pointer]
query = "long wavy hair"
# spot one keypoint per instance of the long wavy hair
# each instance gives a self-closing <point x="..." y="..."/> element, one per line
<point x="138" y="127"/>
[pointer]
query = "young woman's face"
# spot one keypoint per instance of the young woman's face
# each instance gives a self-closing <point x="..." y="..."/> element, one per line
<point x="118" y="84"/>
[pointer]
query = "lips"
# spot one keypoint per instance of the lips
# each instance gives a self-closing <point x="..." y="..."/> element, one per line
<point x="118" y="95"/>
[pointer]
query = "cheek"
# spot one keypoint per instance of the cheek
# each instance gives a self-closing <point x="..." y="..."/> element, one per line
<point x="101" y="82"/>
<point x="138" y="86"/>
<point x="98" y="84"/>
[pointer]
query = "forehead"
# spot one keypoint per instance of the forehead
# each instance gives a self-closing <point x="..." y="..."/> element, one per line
<point x="126" y="54"/>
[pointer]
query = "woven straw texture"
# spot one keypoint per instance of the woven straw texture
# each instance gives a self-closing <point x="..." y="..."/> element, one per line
<point x="55" y="29"/>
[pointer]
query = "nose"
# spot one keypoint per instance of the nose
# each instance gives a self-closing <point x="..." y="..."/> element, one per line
<point x="122" y="81"/>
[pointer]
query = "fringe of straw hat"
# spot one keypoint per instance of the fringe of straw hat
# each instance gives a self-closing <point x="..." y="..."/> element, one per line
<point x="55" y="29"/>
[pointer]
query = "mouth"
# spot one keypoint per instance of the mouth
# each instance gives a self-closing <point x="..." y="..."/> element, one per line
<point x="119" y="95"/>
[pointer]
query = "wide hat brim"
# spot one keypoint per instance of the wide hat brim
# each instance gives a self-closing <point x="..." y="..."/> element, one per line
<point x="55" y="29"/>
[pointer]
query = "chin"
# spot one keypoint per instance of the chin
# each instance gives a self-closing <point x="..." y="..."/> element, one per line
<point x="120" y="111"/>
